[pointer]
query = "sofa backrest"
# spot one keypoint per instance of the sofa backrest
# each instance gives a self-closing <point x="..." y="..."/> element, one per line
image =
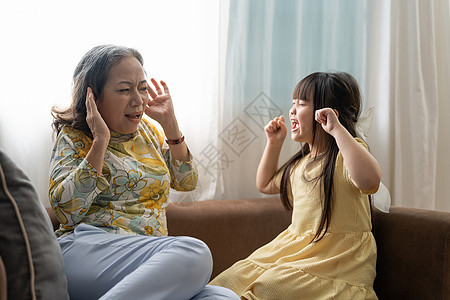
<point x="231" y="228"/>
<point x="413" y="254"/>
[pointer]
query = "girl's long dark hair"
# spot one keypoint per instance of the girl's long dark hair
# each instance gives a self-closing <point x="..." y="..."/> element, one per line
<point x="338" y="91"/>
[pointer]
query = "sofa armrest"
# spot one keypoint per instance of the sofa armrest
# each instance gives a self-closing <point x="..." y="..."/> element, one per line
<point x="413" y="254"/>
<point x="53" y="219"/>
<point x="232" y="229"/>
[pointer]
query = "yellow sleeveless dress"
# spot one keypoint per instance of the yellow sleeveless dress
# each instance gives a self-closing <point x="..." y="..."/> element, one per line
<point x="339" y="266"/>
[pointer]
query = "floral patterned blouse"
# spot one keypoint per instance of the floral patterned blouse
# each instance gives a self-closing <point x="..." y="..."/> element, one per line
<point x="130" y="196"/>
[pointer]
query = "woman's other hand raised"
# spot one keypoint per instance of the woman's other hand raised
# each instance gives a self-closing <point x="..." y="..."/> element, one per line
<point x="160" y="107"/>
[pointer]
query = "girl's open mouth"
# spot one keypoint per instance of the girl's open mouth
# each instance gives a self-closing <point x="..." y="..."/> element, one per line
<point x="294" y="125"/>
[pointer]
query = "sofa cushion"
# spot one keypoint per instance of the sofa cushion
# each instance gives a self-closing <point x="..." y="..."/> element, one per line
<point x="28" y="247"/>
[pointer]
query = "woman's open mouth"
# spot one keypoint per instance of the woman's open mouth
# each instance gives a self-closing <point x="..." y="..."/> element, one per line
<point x="134" y="117"/>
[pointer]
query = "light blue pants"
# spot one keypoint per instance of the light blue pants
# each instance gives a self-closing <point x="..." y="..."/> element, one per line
<point x="101" y="265"/>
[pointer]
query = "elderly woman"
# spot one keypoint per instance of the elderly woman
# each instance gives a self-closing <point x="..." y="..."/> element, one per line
<point x="110" y="175"/>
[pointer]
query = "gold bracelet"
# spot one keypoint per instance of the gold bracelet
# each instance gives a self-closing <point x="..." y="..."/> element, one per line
<point x="175" y="142"/>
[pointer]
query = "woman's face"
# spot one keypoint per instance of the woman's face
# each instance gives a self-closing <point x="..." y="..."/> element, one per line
<point x="124" y="96"/>
<point x="302" y="118"/>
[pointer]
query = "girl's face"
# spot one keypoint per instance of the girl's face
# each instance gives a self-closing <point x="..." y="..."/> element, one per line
<point x="124" y="96"/>
<point x="302" y="117"/>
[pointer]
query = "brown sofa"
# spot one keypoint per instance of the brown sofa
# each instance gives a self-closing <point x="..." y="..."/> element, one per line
<point x="413" y="244"/>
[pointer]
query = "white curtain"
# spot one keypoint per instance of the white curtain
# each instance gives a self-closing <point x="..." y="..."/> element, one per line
<point x="408" y="72"/>
<point x="231" y="66"/>
<point x="419" y="93"/>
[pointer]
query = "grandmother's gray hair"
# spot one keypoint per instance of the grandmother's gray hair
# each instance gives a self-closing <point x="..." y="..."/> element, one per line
<point x="92" y="71"/>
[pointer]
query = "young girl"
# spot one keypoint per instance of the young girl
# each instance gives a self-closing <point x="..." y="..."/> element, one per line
<point x="328" y="251"/>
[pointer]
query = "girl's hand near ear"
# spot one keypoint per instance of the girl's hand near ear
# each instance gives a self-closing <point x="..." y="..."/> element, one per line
<point x="362" y="167"/>
<point x="328" y="118"/>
